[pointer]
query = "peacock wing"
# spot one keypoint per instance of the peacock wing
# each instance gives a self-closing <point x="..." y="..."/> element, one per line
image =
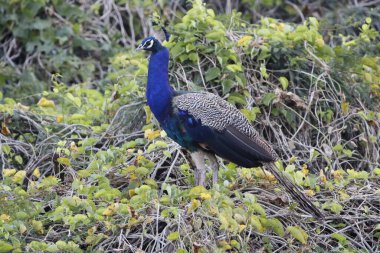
<point x="223" y="129"/>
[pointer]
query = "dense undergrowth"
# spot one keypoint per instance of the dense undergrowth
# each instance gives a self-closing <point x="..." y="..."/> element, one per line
<point x="86" y="169"/>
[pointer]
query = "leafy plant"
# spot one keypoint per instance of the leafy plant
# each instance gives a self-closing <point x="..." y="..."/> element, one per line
<point x="85" y="169"/>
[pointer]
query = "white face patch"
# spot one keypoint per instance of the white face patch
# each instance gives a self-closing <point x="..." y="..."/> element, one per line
<point x="146" y="45"/>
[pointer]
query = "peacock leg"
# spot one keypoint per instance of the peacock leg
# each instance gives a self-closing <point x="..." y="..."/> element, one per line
<point x="214" y="166"/>
<point x="200" y="168"/>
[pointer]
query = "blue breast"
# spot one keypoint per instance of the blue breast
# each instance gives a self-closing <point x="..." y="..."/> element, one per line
<point x="175" y="129"/>
<point x="186" y="130"/>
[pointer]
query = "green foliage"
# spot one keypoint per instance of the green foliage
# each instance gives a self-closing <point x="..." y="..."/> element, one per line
<point x="5" y="247"/>
<point x="173" y="236"/>
<point x="99" y="171"/>
<point x="201" y="37"/>
<point x="54" y="36"/>
<point x="298" y="233"/>
<point x="333" y="206"/>
<point x="32" y="25"/>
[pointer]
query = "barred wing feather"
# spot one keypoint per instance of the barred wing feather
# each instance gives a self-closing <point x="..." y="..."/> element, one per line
<point x="233" y="137"/>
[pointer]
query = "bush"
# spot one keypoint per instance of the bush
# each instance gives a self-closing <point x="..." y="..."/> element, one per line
<point x="85" y="167"/>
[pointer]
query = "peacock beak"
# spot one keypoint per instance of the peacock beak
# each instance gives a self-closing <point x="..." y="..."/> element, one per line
<point x="140" y="47"/>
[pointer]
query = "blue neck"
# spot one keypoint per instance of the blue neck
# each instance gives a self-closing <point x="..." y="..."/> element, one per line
<point x="158" y="91"/>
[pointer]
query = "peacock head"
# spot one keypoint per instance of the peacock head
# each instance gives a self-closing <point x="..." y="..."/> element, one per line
<point x="150" y="44"/>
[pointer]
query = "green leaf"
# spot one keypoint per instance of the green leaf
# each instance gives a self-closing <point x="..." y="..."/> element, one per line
<point x="298" y="233"/>
<point x="313" y="154"/>
<point x="227" y="85"/>
<point x="64" y="161"/>
<point x="314" y="22"/>
<point x="263" y="70"/>
<point x="333" y="206"/>
<point x="290" y="168"/>
<point x="352" y="174"/>
<point x="73" y="99"/>
<point x="6" y="149"/>
<point x="90" y="141"/>
<point x="377" y="171"/>
<point x="338" y="148"/>
<point x="258" y="209"/>
<point x="276" y="226"/>
<point x="178" y="49"/>
<point x="347" y="152"/>
<point x="161" y="144"/>
<point x="21" y="215"/>
<point x="196" y="191"/>
<point x="40" y="24"/>
<point x="49" y="181"/>
<point x="340" y="237"/>
<point x="19" y="176"/>
<point x="38" y="226"/>
<point x="235" y="244"/>
<point x="183" y="57"/>
<point x="237" y="98"/>
<point x="370" y="62"/>
<point x="193" y="57"/>
<point x="223" y="221"/>
<point x="268" y="98"/>
<point x="234" y="67"/>
<point x="39" y="246"/>
<point x="142" y="171"/>
<point x="251" y="114"/>
<point x="18" y="159"/>
<point x="190" y="47"/>
<point x="212" y="73"/>
<point x="151" y="147"/>
<point x="336" y="208"/>
<point x="5" y="247"/>
<point x="255" y="222"/>
<point x="284" y="82"/>
<point x="215" y="35"/>
<point x="173" y="236"/>
<point x="61" y="245"/>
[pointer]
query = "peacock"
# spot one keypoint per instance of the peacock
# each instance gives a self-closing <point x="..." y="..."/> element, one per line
<point x="207" y="125"/>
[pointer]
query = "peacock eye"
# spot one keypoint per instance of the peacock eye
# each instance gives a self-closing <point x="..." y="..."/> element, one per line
<point x="146" y="45"/>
